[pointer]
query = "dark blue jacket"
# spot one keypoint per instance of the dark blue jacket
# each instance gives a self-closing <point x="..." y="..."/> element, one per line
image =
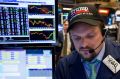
<point x="71" y="67"/>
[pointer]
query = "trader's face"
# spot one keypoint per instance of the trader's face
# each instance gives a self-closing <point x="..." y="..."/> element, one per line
<point x="85" y="37"/>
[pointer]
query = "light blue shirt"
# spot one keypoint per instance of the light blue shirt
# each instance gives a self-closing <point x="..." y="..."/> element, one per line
<point x="99" y="57"/>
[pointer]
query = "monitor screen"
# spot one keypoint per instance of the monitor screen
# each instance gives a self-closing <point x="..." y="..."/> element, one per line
<point x="27" y="21"/>
<point x="28" y="63"/>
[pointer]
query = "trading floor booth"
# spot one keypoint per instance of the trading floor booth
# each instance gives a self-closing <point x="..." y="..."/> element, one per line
<point x="27" y="32"/>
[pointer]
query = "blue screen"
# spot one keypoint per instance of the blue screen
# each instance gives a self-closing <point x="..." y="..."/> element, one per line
<point x="26" y="63"/>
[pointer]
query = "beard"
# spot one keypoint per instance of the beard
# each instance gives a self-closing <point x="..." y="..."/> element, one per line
<point x="92" y="56"/>
<point x="83" y="54"/>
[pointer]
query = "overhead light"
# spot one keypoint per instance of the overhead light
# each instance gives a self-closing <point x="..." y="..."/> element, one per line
<point x="67" y="8"/>
<point x="103" y="11"/>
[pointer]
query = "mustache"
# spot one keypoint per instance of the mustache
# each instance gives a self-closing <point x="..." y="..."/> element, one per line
<point x="85" y="48"/>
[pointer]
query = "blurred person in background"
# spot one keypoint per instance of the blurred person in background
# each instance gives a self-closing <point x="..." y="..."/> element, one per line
<point x="64" y="44"/>
<point x="66" y="49"/>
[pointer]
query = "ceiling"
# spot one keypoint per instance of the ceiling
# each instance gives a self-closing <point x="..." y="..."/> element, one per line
<point x="79" y="1"/>
<point x="71" y="3"/>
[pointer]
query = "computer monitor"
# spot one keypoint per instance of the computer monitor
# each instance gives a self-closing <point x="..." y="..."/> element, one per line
<point x="27" y="21"/>
<point x="30" y="63"/>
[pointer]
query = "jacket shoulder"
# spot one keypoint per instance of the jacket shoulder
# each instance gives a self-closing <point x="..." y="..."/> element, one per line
<point x="116" y="46"/>
<point x="63" y="66"/>
<point x="113" y="48"/>
<point x="70" y="59"/>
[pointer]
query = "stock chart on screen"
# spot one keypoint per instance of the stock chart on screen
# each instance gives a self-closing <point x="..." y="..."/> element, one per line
<point x="27" y="21"/>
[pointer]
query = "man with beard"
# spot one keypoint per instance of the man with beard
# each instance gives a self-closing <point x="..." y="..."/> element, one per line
<point x="94" y="56"/>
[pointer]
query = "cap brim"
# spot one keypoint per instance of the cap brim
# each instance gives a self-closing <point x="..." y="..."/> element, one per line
<point x="88" y="21"/>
